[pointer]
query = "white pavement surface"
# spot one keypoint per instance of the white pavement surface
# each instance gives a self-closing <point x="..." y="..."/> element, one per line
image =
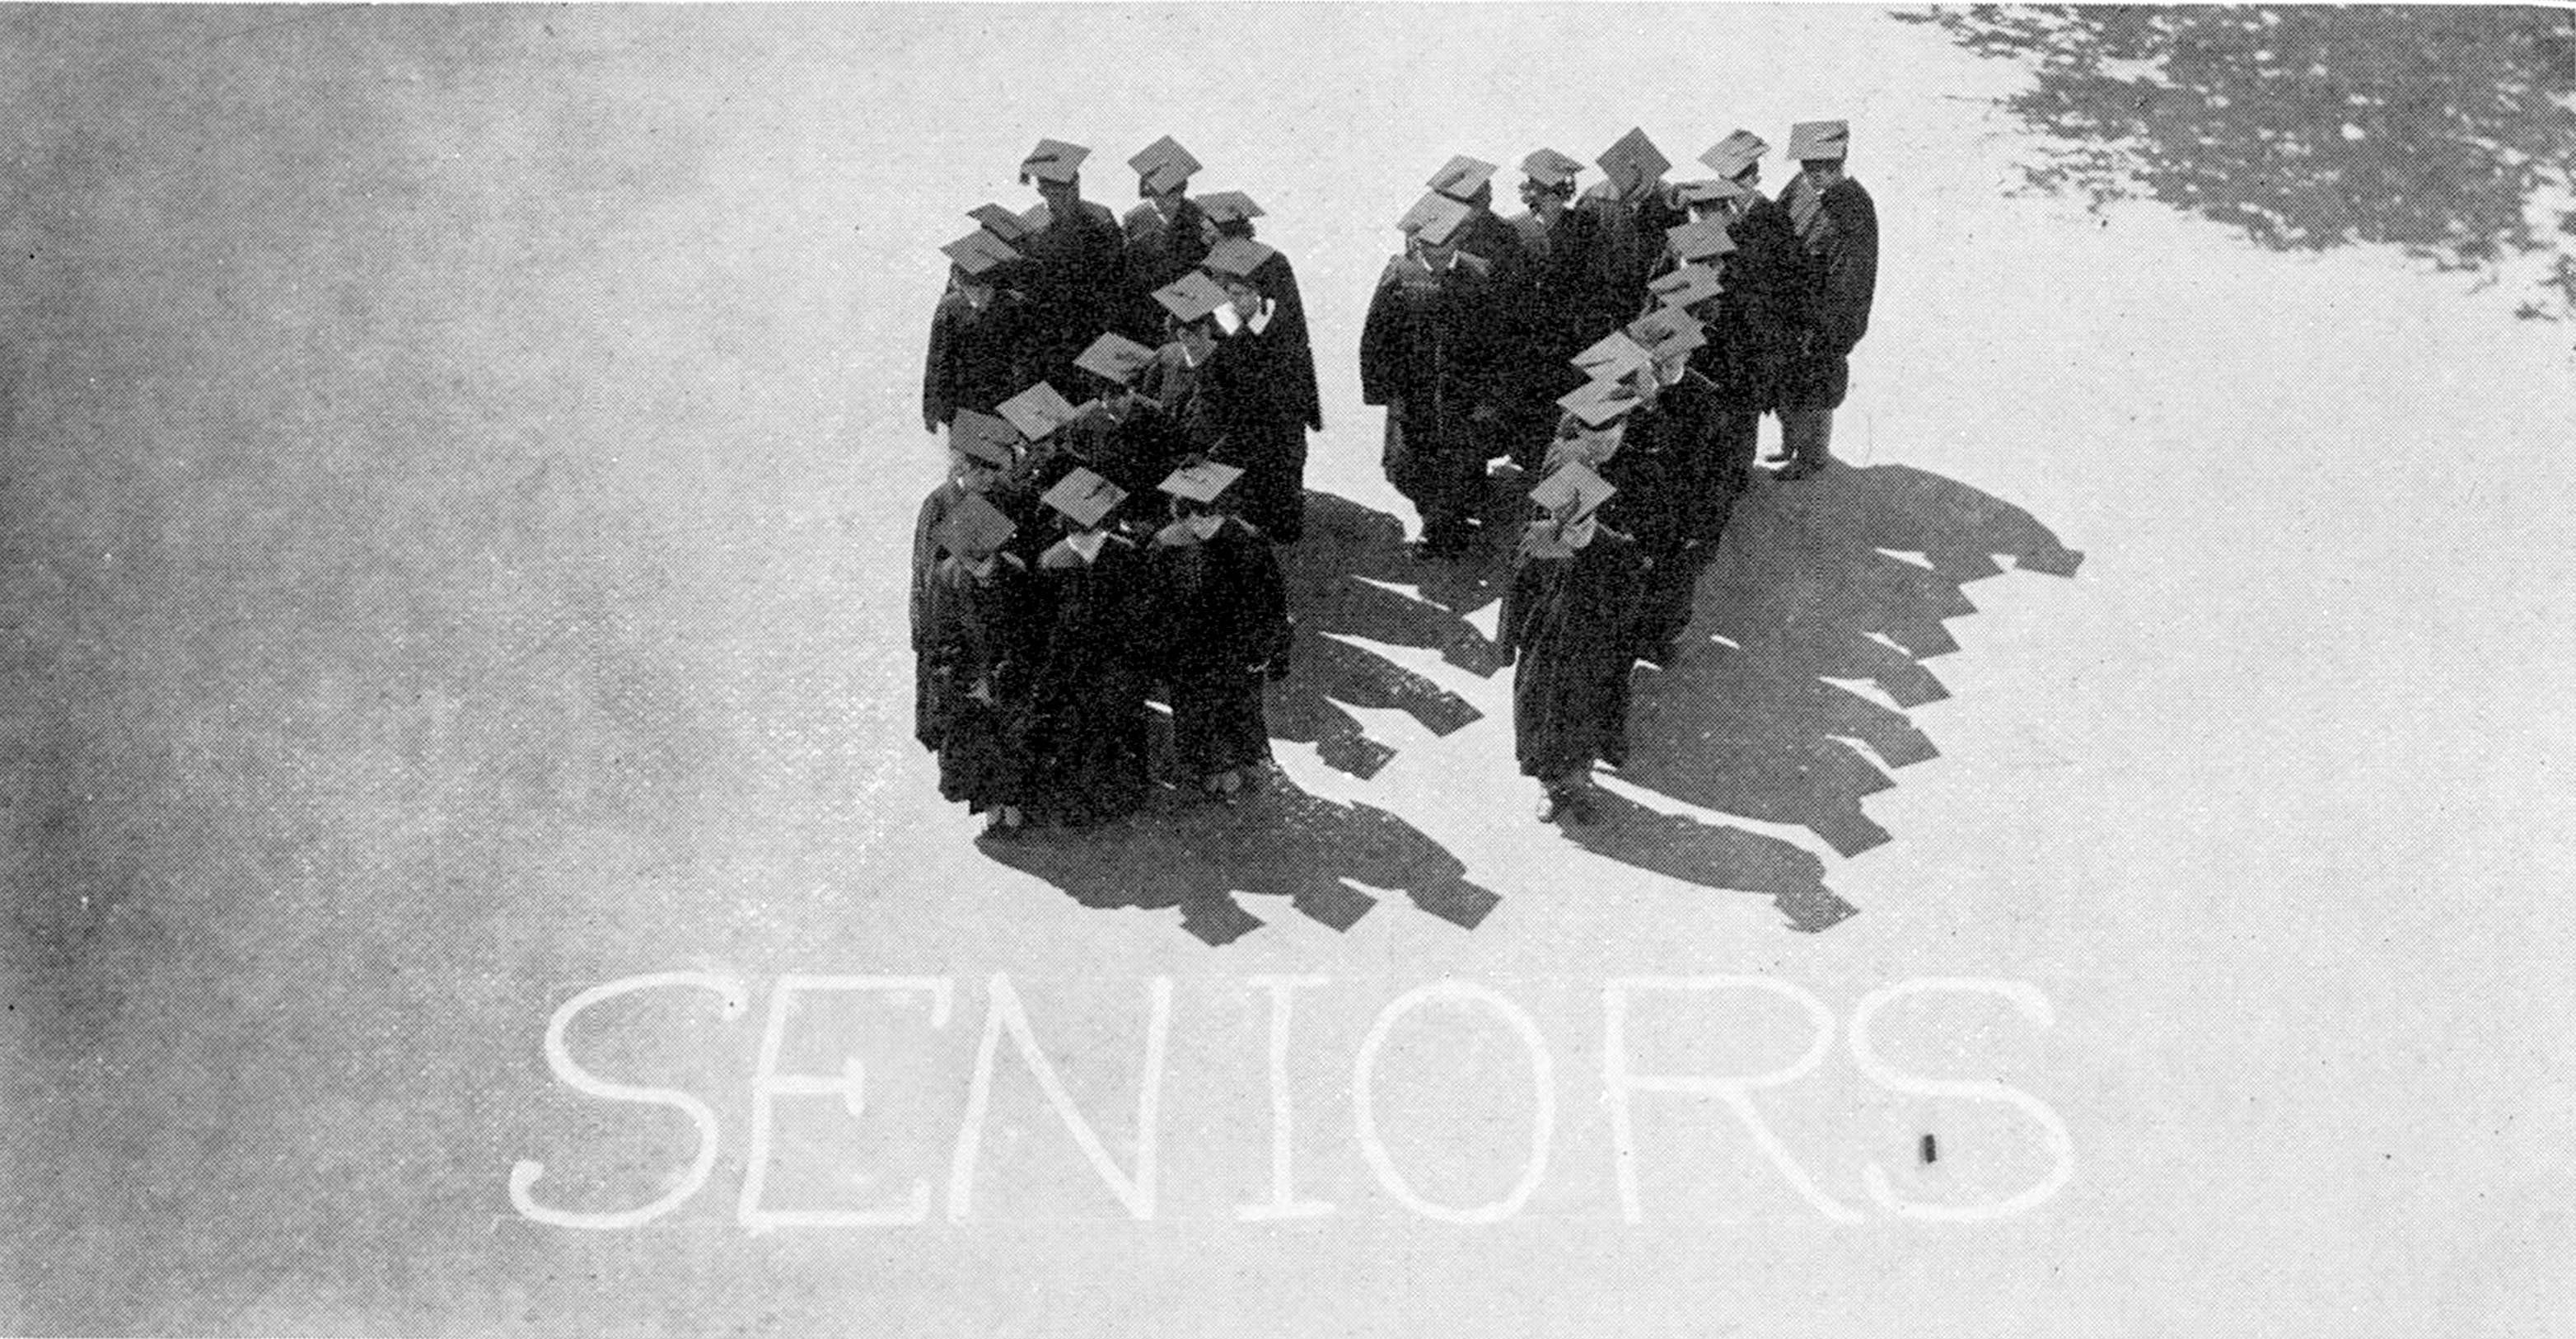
<point x="2267" y="802"/>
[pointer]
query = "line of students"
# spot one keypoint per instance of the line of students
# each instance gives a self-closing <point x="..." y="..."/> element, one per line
<point x="1081" y="560"/>
<point x="1665" y="321"/>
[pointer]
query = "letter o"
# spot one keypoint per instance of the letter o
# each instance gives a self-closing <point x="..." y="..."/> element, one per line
<point x="1543" y="1078"/>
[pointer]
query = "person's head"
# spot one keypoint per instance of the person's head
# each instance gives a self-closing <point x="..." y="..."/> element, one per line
<point x="1483" y="196"/>
<point x="1062" y="197"/>
<point x="1547" y="199"/>
<point x="1240" y="292"/>
<point x="972" y="473"/>
<point x="1750" y="177"/>
<point x="1165" y="186"/>
<point x="1437" y="255"/>
<point x="1822" y="172"/>
<point x="977" y="289"/>
<point x="1055" y="168"/>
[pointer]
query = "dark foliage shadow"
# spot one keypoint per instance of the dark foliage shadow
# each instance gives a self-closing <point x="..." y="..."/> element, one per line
<point x="1748" y="720"/>
<point x="2308" y="127"/>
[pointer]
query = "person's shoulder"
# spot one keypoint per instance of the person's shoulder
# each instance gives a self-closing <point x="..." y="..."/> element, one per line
<point x="1402" y="269"/>
<point x="1099" y="213"/>
<point x="1848" y="194"/>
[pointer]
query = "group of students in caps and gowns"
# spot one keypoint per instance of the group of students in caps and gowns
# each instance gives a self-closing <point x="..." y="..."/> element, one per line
<point x="1084" y="559"/>
<point x="1619" y="346"/>
<point x="1635" y="336"/>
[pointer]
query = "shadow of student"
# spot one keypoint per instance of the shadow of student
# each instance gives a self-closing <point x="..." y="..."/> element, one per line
<point x="1201" y="857"/>
<point x="1352" y="583"/>
<point x="1750" y="721"/>
<point x="1353" y="576"/>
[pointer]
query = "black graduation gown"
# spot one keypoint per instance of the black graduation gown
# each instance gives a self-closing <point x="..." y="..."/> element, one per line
<point x="1220" y="615"/>
<point x="1630" y="241"/>
<point x="1237" y="409"/>
<point x="1491" y="239"/>
<point x="1087" y="722"/>
<point x="925" y="571"/>
<point x="977" y="358"/>
<point x="1076" y="278"/>
<point x="1565" y="621"/>
<point x="1546" y="301"/>
<point x="1754" y="329"/>
<point x="1276" y="280"/>
<point x="1431" y="346"/>
<point x="1837" y="276"/>
<point x="984" y="638"/>
<point x="1157" y="253"/>
<point x="1674" y="494"/>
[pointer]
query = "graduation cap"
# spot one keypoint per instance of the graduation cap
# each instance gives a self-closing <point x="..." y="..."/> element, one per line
<point x="1085" y="497"/>
<point x="1615" y="356"/>
<point x="1700" y="239"/>
<point x="1200" y="482"/>
<point x="1731" y="155"/>
<point x="1634" y="158"/>
<point x="1596" y="403"/>
<point x="1460" y="177"/>
<point x="1707" y="192"/>
<point x="1572" y="494"/>
<point x="1162" y="166"/>
<point x="1667" y="332"/>
<point x="1434" y="219"/>
<point x="1114" y="357"/>
<point x="1191" y="296"/>
<point x="1237" y="256"/>
<point x="1001" y="222"/>
<point x="979" y="252"/>
<point x="1053" y="160"/>
<point x="1686" y="287"/>
<point x="1227" y="206"/>
<point x="1587" y="446"/>
<point x="984" y="439"/>
<point x="1547" y="167"/>
<point x="1810" y="140"/>
<point x="1037" y="411"/>
<point x="974" y="528"/>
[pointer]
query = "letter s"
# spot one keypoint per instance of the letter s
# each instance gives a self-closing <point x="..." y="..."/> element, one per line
<point x="2033" y="1006"/>
<point x="524" y="1173"/>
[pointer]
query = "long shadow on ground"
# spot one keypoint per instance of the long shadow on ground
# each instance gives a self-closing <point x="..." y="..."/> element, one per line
<point x="1750" y="721"/>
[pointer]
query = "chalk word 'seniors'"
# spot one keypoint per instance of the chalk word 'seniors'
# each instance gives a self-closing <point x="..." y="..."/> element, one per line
<point x="1005" y="1015"/>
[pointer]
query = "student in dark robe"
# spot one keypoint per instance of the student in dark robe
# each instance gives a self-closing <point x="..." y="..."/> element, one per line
<point x="1544" y="302"/>
<point x="1230" y="215"/>
<point x="1121" y="432"/>
<point x="1753" y="327"/>
<point x="1632" y="212"/>
<point x="1431" y="353"/>
<point x="1573" y="589"/>
<point x="1836" y="224"/>
<point x="1678" y="498"/>
<point x="1087" y="730"/>
<point x="981" y="455"/>
<point x="1077" y="261"/>
<point x="1220" y="619"/>
<point x="1469" y="181"/>
<point x="1167" y="235"/>
<point x="1254" y="414"/>
<point x="979" y="334"/>
<point x="978" y="648"/>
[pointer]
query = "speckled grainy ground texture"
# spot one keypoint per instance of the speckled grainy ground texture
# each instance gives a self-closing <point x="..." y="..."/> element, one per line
<point x="456" y="468"/>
